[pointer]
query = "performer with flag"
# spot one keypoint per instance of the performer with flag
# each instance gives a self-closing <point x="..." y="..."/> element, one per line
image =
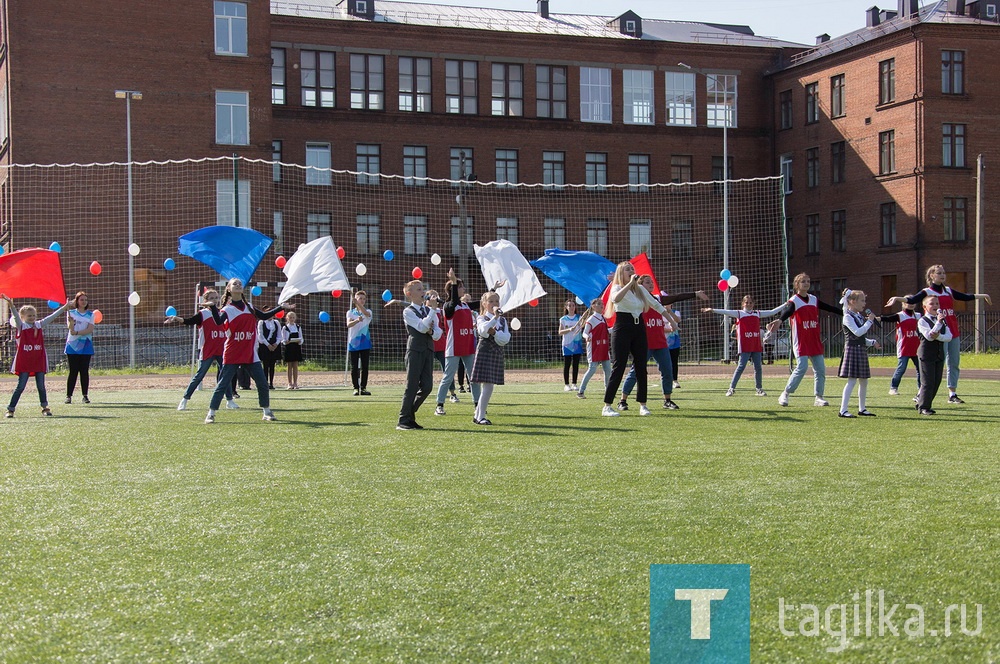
<point x="30" y="358"/>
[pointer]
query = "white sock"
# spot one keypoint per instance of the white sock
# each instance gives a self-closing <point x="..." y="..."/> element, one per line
<point x="485" y="392"/>
<point x="862" y="393"/>
<point x="846" y="397"/>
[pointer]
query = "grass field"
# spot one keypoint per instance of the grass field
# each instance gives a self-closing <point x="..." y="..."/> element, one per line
<point x="130" y="532"/>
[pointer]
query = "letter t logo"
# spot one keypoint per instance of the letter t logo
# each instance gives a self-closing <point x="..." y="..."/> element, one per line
<point x="701" y="608"/>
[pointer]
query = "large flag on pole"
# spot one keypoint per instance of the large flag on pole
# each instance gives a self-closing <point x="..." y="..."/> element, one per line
<point x="502" y="261"/>
<point x="232" y="252"/>
<point x="583" y="273"/>
<point x="32" y="273"/>
<point x="314" y="268"/>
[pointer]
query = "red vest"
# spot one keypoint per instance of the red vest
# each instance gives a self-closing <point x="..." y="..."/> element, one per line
<point x="241" y="344"/>
<point x="748" y="332"/>
<point x="442" y="343"/>
<point x="461" y="333"/>
<point x="656" y="334"/>
<point x="212" y="336"/>
<point x="30" y="356"/>
<point x="805" y="326"/>
<point x="946" y="303"/>
<point x="907" y="335"/>
<point x="598" y="350"/>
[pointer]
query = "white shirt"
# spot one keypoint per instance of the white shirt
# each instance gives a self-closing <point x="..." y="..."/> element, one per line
<point x="635" y="301"/>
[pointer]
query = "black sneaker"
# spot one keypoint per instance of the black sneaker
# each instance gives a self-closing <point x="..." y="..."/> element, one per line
<point x="407" y="426"/>
<point x="86" y="399"/>
<point x="866" y="413"/>
<point x="365" y="393"/>
<point x="670" y="405"/>
<point x="623" y="405"/>
<point x="954" y="399"/>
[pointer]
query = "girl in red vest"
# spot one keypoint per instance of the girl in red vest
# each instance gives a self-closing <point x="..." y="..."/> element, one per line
<point x="595" y="332"/>
<point x="30" y="358"/>
<point x="907" y="343"/>
<point x="211" y="339"/>
<point x="748" y="341"/>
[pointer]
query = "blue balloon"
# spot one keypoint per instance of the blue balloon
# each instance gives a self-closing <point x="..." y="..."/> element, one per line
<point x="386" y="295"/>
<point x="169" y="264"/>
<point x="53" y="304"/>
<point x="56" y="247"/>
<point x="725" y="274"/>
<point x="256" y="290"/>
<point x="388" y="255"/>
<point x="171" y="311"/>
<point x="2" y="249"/>
<point x="324" y="317"/>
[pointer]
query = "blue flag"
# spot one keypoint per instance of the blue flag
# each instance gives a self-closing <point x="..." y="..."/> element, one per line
<point x="230" y="251"/>
<point x="582" y="273"/>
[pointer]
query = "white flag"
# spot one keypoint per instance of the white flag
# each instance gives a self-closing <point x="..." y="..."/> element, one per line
<point x="502" y="261"/>
<point x="314" y="268"/>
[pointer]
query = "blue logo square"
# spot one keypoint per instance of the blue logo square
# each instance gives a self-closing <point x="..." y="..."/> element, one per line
<point x="699" y="613"/>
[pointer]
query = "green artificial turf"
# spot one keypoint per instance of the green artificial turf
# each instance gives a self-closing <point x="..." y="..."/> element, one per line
<point x="130" y="532"/>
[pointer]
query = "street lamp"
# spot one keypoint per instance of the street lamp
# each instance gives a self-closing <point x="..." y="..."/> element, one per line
<point x="725" y="199"/>
<point x="128" y="96"/>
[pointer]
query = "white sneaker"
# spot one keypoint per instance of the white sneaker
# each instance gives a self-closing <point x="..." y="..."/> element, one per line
<point x="893" y="392"/>
<point x="730" y="392"/>
<point x="608" y="411"/>
<point x="574" y="388"/>
<point x="783" y="399"/>
<point x="568" y="389"/>
<point x="269" y="416"/>
<point x="643" y="410"/>
<point x="183" y="405"/>
<point x="761" y="393"/>
<point x="232" y="405"/>
<point x="676" y="385"/>
<point x="820" y="401"/>
<point x="210" y="418"/>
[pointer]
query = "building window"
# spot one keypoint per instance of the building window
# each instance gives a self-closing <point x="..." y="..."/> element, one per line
<point x="785" y="105"/>
<point x="837" y="100"/>
<point x="318" y="78"/>
<point x="838" y="161"/>
<point x="637" y="93"/>
<point x="461" y="165"/>
<point x="953" y="145"/>
<point x="414" y="165"/>
<point x="461" y="238"/>
<point x="721" y="104"/>
<point x="276" y="159"/>
<point x="682" y="241"/>
<point x="367" y="82"/>
<point x="680" y="168"/>
<point x="812" y="167"/>
<point x="550" y="91"/>
<point x="415" y="85"/>
<point x="638" y="172"/>
<point x="317" y="226"/>
<point x="640" y="236"/>
<point x="508" y="90"/>
<point x="680" y="98"/>
<point x="887" y="81"/>
<point x="369" y="163"/>
<point x="506" y="166"/>
<point x="461" y="87"/>
<point x="597" y="170"/>
<point x="839" y="284"/>
<point x="553" y="168"/>
<point x="717" y="172"/>
<point x="595" y="94"/>
<point x="507" y="229"/>
<point x="812" y="103"/>
<point x="953" y="72"/>
<point x="888" y="224"/>
<point x="414" y="234"/>
<point x="812" y="234"/>
<point x="318" y="164"/>
<point x="367" y="233"/>
<point x="839" y="224"/>
<point x="230" y="28"/>
<point x="786" y="173"/>
<point x="226" y="207"/>
<point x="278" y="86"/>
<point x="954" y="219"/>
<point x="232" y="118"/>
<point x="887" y="152"/>
<point x="597" y="236"/>
<point x="555" y="233"/>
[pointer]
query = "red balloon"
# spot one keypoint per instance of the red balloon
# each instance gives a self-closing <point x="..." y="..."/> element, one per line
<point x="95" y="268"/>
<point x="417" y="273"/>
<point x="335" y="293"/>
<point x="533" y="303"/>
<point x="723" y="285"/>
<point x="279" y="262"/>
<point x="98" y="316"/>
<point x="340" y="252"/>
<point x="280" y="314"/>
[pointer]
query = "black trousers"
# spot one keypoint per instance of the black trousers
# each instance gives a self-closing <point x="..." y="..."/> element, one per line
<point x="628" y="337"/>
<point x="573" y="360"/>
<point x="931" y="368"/>
<point x="359" y="367"/>
<point x="79" y="365"/>
<point x="419" y="383"/>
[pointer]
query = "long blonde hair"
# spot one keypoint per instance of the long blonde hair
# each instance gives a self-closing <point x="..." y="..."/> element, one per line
<point x="619" y="280"/>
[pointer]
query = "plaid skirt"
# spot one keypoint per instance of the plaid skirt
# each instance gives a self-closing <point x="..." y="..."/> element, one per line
<point x="854" y="364"/>
<point x="488" y="366"/>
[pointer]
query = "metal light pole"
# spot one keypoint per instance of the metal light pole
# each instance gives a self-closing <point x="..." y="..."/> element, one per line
<point x="128" y="96"/>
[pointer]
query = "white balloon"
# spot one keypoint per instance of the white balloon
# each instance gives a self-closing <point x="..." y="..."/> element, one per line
<point x="361" y="269"/>
<point x="578" y="301"/>
<point x="435" y="259"/>
<point x="733" y="281"/>
<point x="515" y="324"/>
<point x="133" y="299"/>
<point x="133" y="249"/>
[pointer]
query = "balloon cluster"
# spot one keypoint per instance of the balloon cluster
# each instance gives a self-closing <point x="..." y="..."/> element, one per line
<point x="727" y="280"/>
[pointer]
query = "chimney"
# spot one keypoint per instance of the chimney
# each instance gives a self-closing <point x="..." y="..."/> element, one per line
<point x="822" y="39"/>
<point x="886" y="15"/>
<point x="872" y="16"/>
<point x="908" y="8"/>
<point x="956" y="7"/>
<point x="543" y="8"/>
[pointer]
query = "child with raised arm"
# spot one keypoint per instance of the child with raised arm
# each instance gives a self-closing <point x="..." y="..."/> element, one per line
<point x="494" y="334"/>
<point x="211" y="340"/>
<point x="291" y="341"/>
<point x="748" y="341"/>
<point x="595" y="332"/>
<point x="854" y="365"/>
<point x="359" y="342"/>
<point x="936" y="277"/>
<point x="30" y="358"/>
<point x="907" y="343"/>
<point x="422" y="331"/>
<point x="572" y="343"/>
<point x="934" y="338"/>
<point x="461" y="344"/>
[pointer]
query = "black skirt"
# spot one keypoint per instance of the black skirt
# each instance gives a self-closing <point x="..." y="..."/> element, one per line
<point x="293" y="352"/>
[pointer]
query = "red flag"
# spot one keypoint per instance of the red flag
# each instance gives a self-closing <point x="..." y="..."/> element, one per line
<point x="642" y="267"/>
<point x="32" y="273"/>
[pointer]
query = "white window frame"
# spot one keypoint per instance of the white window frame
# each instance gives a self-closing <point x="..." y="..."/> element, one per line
<point x="318" y="224"/>
<point x="232" y="115"/>
<point x="414" y="234"/>
<point x="367" y="233"/>
<point x="595" y="94"/>
<point x="597" y="236"/>
<point x="318" y="163"/>
<point x="224" y="212"/>
<point x="637" y="93"/>
<point x="681" y="98"/>
<point x="554" y="233"/>
<point x="785" y="169"/>
<point x="456" y="236"/>
<point x="507" y="229"/>
<point x="367" y="81"/>
<point x="721" y="100"/>
<point x="230" y="26"/>
<point x="640" y="236"/>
